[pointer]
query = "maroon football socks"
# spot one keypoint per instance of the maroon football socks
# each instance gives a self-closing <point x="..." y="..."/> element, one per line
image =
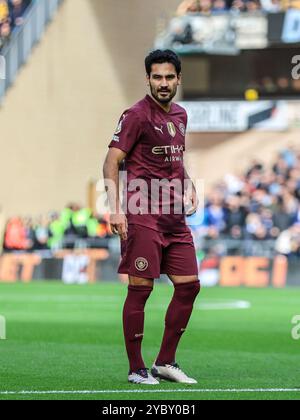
<point x="177" y="318"/>
<point x="133" y="323"/>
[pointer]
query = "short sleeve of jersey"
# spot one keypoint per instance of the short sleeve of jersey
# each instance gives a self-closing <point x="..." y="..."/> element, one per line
<point x="128" y="132"/>
<point x="186" y="119"/>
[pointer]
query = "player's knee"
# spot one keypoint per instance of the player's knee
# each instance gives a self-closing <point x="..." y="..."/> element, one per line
<point x="138" y="295"/>
<point x="188" y="291"/>
<point x="195" y="289"/>
<point x="138" y="281"/>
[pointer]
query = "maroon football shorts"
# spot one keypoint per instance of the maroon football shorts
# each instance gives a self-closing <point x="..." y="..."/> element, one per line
<point x="147" y="253"/>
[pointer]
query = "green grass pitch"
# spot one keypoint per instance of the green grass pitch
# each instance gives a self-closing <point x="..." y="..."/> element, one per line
<point x="69" y="339"/>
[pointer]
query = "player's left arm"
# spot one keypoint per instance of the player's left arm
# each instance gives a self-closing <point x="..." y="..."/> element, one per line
<point x="191" y="198"/>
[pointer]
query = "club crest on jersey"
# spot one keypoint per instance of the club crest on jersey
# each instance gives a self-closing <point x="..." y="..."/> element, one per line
<point x="141" y="264"/>
<point x="171" y="129"/>
<point x="182" y="129"/>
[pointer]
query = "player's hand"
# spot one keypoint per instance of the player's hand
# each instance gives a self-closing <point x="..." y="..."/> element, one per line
<point x="191" y="203"/>
<point x="119" y="225"/>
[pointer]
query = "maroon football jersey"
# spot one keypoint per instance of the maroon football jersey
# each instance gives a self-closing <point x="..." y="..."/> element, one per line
<point x="154" y="141"/>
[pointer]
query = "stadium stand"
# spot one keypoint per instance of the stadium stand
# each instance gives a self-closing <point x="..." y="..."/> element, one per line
<point x="22" y="23"/>
<point x="73" y="227"/>
<point x="235" y="6"/>
<point x="11" y="16"/>
<point x="260" y="205"/>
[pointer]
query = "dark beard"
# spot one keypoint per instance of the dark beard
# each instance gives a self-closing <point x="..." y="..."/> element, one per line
<point x="163" y="101"/>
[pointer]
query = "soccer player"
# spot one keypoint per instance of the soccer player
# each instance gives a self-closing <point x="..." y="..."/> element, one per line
<point x="150" y="142"/>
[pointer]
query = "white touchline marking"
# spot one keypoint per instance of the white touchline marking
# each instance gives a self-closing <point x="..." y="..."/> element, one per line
<point x="223" y="305"/>
<point x="205" y="305"/>
<point x="214" y="305"/>
<point x="148" y="391"/>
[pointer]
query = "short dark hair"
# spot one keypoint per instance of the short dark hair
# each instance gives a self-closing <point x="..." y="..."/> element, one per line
<point x="160" y="57"/>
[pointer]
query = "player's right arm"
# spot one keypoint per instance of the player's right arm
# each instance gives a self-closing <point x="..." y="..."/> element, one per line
<point x="126" y="137"/>
<point x="118" y="220"/>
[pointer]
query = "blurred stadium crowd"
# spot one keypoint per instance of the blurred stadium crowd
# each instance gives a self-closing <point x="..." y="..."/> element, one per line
<point x="238" y="6"/>
<point x="11" y="12"/>
<point x="260" y="205"/>
<point x="74" y="227"/>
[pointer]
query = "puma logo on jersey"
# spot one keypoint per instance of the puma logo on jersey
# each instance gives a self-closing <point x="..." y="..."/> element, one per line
<point x="159" y="129"/>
